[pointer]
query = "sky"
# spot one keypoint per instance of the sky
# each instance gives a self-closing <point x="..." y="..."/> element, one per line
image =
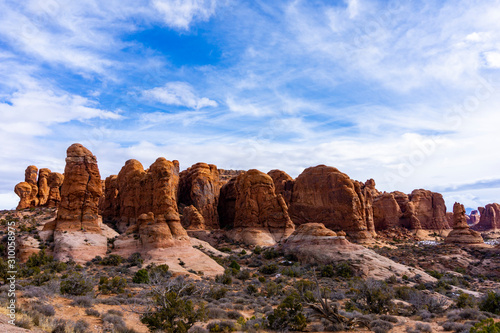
<point x="404" y="92"/>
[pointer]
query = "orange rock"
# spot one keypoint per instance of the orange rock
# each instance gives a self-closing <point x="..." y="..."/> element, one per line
<point x="43" y="186"/>
<point x="55" y="182"/>
<point x="430" y="209"/>
<point x="283" y="184"/>
<point x="490" y="218"/>
<point x="80" y="192"/>
<point x="386" y="211"/>
<point x="200" y="186"/>
<point x="325" y="195"/>
<point x="28" y="196"/>
<point x="192" y="219"/>
<point x="23" y="190"/>
<point x="461" y="233"/>
<point x="260" y="216"/>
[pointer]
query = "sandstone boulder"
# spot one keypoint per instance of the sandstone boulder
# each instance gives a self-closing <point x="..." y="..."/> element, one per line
<point x="55" y="182"/>
<point x="23" y="191"/>
<point x="430" y="209"/>
<point x="192" y="219"/>
<point x="325" y="195"/>
<point x="474" y="217"/>
<point x="490" y="218"/>
<point x="386" y="212"/>
<point x="461" y="233"/>
<point x="260" y="216"/>
<point x="43" y="186"/>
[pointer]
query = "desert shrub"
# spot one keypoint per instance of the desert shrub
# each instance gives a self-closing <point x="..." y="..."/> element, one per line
<point x="235" y="266"/>
<point x="251" y="289"/>
<point x="116" y="285"/>
<point x="269" y="269"/>
<point x="452" y="326"/>
<point x="234" y="315"/>
<point x="272" y="288"/>
<point x="288" y="315"/>
<point x="81" y="326"/>
<point x="216" y="313"/>
<point x="423" y="327"/>
<point x="217" y="293"/>
<point x="135" y="259"/>
<point x="92" y="312"/>
<point x="141" y="276"/>
<point x="257" y="250"/>
<point x="388" y="318"/>
<point x="344" y="270"/>
<point x="76" y="284"/>
<point x="490" y="302"/>
<point x="465" y="300"/>
<point x="83" y="301"/>
<point x="45" y="309"/>
<point x="327" y="271"/>
<point x="115" y="312"/>
<point x="197" y="329"/>
<point x="111" y="260"/>
<point x="486" y="326"/>
<point x="270" y="254"/>
<point x="24" y="322"/>
<point x="293" y="271"/>
<point x="117" y="321"/>
<point x="39" y="259"/>
<point x="243" y="275"/>
<point x="374" y="296"/>
<point x="380" y="326"/>
<point x="221" y="326"/>
<point x="158" y="273"/>
<point x="171" y="309"/>
<point x="435" y="274"/>
<point x="224" y="279"/>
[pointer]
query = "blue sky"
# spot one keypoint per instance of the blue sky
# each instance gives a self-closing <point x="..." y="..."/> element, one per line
<point x="406" y="93"/>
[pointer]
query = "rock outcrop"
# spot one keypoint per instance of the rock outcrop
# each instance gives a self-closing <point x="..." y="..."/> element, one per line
<point x="430" y="209"/>
<point x="461" y="233"/>
<point x="192" y="219"/>
<point x="55" y="182"/>
<point x="315" y="244"/>
<point x="386" y="212"/>
<point x="39" y="188"/>
<point x="474" y="217"/>
<point x="43" y="186"/>
<point x="28" y="190"/>
<point x="283" y="184"/>
<point x="259" y="216"/>
<point x="77" y="228"/>
<point x="136" y="191"/>
<point x="200" y="186"/>
<point x="325" y="195"/>
<point x="490" y="218"/>
<point x="161" y="239"/>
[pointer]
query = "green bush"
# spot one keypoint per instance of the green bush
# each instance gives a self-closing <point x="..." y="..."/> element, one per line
<point x="111" y="260"/>
<point x="224" y="279"/>
<point x="269" y="269"/>
<point x="486" y="326"/>
<point x="288" y="315"/>
<point x="76" y="284"/>
<point x="39" y="259"/>
<point x="235" y="266"/>
<point x="271" y="254"/>
<point x="116" y="285"/>
<point x="252" y="289"/>
<point x="217" y="293"/>
<point x="257" y="250"/>
<point x="141" y="276"/>
<point x="490" y="302"/>
<point x="374" y="296"/>
<point x="344" y="270"/>
<point x="465" y="300"/>
<point x="135" y="259"/>
<point x="327" y="271"/>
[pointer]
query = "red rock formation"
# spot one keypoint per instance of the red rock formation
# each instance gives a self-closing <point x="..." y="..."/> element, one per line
<point x="325" y="195"/>
<point x="80" y="192"/>
<point x="199" y="186"/>
<point x="55" y="182"/>
<point x="136" y="191"/>
<point x="490" y="218"/>
<point x="28" y="190"/>
<point x="260" y="216"/>
<point x="461" y="233"/>
<point x="430" y="209"/>
<point x="386" y="212"/>
<point x="474" y="217"/>
<point x="226" y="175"/>
<point x="283" y="184"/>
<point x="192" y="219"/>
<point x="43" y="186"/>
<point x="227" y="204"/>
<point x="449" y="218"/>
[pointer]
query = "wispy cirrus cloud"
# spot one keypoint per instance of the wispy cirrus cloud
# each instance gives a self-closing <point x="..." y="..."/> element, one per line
<point x="179" y="94"/>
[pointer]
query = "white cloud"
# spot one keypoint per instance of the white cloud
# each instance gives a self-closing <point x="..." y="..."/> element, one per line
<point x="181" y="13"/>
<point x="178" y="93"/>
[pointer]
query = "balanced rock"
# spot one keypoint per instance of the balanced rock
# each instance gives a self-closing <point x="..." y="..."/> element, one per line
<point x="325" y="195"/>
<point x="199" y="186"/>
<point x="490" y="218"/>
<point x="28" y="190"/>
<point x="260" y="216"/>
<point x="461" y="233"/>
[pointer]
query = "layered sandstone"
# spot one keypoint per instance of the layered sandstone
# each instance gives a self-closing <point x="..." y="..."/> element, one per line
<point x="43" y="186"/>
<point x="28" y="190"/>
<point x="192" y="219"/>
<point x="325" y="195"/>
<point x="490" y="218"/>
<point x="461" y="233"/>
<point x="474" y="217"/>
<point x="386" y="211"/>
<point x="200" y="187"/>
<point x="55" y="182"/>
<point x="430" y="209"/>
<point x="254" y="212"/>
<point x="38" y="188"/>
